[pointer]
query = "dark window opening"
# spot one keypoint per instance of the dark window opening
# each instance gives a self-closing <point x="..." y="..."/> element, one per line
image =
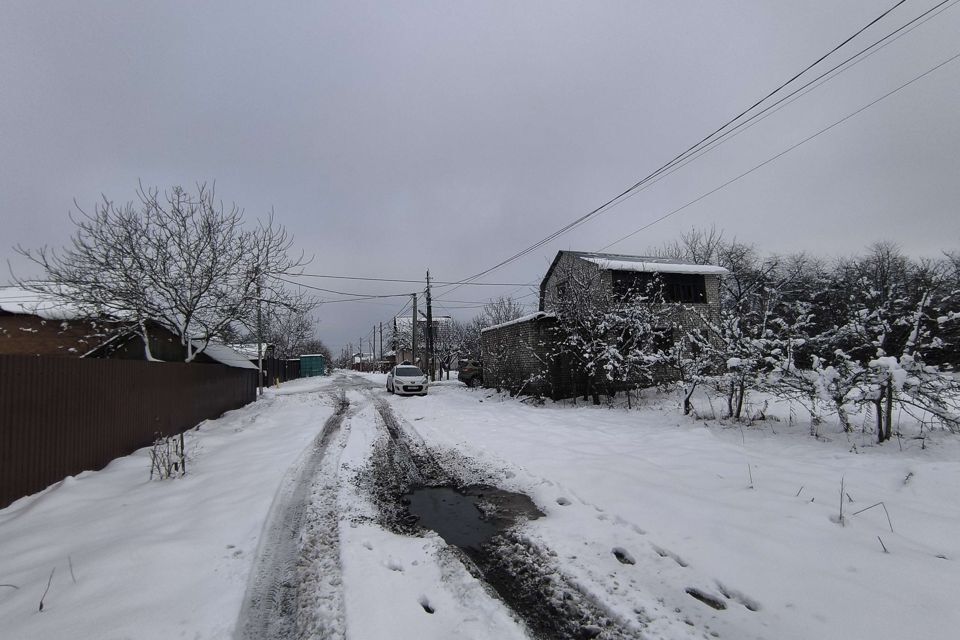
<point x="675" y="287"/>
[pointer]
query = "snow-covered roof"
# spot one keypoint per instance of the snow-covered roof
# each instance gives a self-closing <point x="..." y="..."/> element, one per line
<point x="407" y="320"/>
<point x="225" y="355"/>
<point x="45" y="305"/>
<point x="527" y="318"/>
<point x="651" y="264"/>
<point x="311" y="355"/>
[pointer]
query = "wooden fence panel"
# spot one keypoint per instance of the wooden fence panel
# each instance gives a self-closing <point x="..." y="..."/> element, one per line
<point x="61" y="416"/>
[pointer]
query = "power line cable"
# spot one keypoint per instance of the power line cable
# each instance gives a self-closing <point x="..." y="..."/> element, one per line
<point x="636" y="185"/>
<point x="365" y="297"/>
<point x="813" y="84"/>
<point x="445" y="283"/>
<point x="785" y="151"/>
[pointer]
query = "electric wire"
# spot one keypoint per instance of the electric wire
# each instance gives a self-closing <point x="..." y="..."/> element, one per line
<point x="785" y="151"/>
<point x="677" y="158"/>
<point x="813" y="84"/>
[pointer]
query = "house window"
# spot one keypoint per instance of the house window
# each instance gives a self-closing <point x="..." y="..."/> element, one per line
<point x="685" y="287"/>
<point x="561" y="290"/>
<point x="676" y="287"/>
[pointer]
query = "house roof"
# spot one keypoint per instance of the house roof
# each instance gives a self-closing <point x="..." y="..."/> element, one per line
<point x="652" y="265"/>
<point x="20" y="301"/>
<point x="225" y="355"/>
<point x="48" y="306"/>
<point x="537" y="315"/>
<point x="407" y="320"/>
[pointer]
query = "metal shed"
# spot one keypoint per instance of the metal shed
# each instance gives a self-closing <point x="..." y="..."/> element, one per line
<point x="313" y="364"/>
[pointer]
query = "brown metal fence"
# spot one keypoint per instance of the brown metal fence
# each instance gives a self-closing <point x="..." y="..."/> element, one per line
<point x="61" y="416"/>
<point x="280" y="370"/>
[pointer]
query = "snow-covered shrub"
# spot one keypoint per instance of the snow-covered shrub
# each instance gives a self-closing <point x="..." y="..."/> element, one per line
<point x="611" y="339"/>
<point x="168" y="457"/>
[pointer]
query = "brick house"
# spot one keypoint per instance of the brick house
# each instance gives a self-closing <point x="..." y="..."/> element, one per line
<point x="515" y="354"/>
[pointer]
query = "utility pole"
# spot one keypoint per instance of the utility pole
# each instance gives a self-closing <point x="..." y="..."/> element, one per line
<point x="414" y="323"/>
<point x="430" y="362"/>
<point x="381" y="341"/>
<point x="259" y="334"/>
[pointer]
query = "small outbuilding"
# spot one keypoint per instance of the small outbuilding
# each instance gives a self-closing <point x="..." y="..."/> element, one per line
<point x="313" y="364"/>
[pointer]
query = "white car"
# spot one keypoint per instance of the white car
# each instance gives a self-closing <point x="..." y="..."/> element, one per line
<point x="407" y="380"/>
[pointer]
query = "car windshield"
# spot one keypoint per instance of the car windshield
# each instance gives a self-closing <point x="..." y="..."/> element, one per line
<point x="409" y="372"/>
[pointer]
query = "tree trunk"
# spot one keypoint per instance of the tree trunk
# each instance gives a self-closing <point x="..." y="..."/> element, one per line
<point x="878" y="407"/>
<point x="687" y="405"/>
<point x="740" y="393"/>
<point x="888" y="418"/>
<point x="730" y="400"/>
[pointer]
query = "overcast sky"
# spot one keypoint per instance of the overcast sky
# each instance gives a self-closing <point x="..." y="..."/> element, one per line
<point x="393" y="137"/>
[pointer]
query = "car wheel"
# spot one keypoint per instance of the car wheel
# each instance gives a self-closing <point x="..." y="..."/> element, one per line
<point x="474" y="383"/>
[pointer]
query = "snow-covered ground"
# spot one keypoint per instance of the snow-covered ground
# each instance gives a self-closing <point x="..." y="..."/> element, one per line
<point x="642" y="507"/>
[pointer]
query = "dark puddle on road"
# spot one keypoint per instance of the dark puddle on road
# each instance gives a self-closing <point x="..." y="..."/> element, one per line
<point x="470" y="517"/>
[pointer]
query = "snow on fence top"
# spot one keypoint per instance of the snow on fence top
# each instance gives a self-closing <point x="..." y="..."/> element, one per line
<point x="527" y="318"/>
<point x="653" y="265"/>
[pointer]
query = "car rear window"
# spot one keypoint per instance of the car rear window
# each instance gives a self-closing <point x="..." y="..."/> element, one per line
<point x="409" y="372"/>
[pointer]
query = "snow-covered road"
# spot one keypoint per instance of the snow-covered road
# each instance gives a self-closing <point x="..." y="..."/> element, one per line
<point x="655" y="526"/>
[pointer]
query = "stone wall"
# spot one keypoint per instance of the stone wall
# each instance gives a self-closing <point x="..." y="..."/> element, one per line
<point x="515" y="356"/>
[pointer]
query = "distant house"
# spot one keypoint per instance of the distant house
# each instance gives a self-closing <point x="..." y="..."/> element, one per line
<point x="34" y="324"/>
<point x="403" y="336"/>
<point x="516" y="353"/>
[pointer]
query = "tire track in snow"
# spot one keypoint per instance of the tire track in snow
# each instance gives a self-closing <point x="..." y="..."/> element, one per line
<point x="294" y="586"/>
<point x="522" y="573"/>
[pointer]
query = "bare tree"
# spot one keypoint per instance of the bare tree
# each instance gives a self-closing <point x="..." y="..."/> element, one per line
<point x="315" y="345"/>
<point x="291" y="327"/>
<point x="697" y="246"/>
<point x="180" y="259"/>
<point x="503" y="309"/>
<point x="465" y="337"/>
